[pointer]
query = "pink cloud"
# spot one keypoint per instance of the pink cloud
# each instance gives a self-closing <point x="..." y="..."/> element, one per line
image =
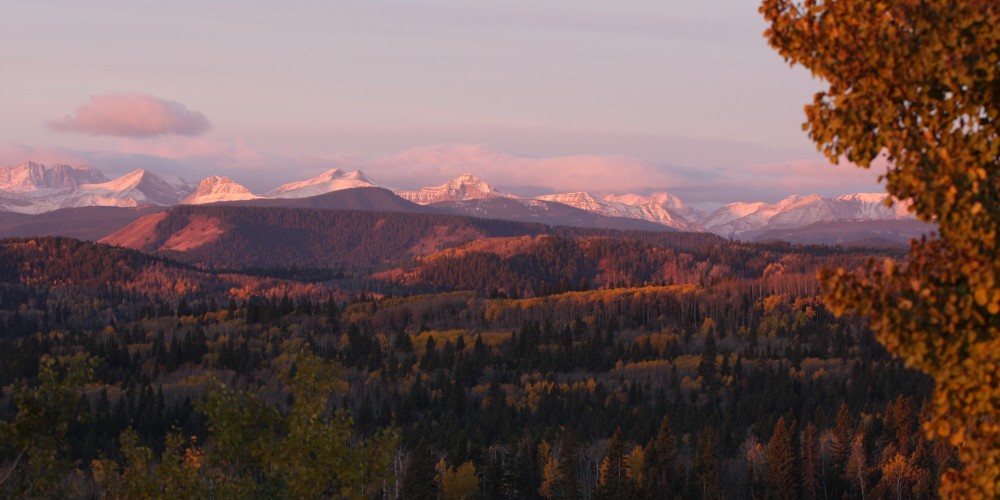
<point x="431" y="165"/>
<point x="132" y="115"/>
<point x="819" y="174"/>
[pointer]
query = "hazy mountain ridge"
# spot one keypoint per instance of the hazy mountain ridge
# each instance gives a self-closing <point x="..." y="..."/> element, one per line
<point x="32" y="188"/>
<point x="748" y="220"/>
<point x="545" y="212"/>
<point x="642" y="208"/>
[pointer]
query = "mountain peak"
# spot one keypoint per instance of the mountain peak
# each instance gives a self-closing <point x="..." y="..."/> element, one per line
<point x="358" y="175"/>
<point x="641" y="208"/>
<point x="467" y="181"/>
<point x="215" y="189"/>
<point x="213" y="180"/>
<point x="129" y="180"/>
<point x="30" y="176"/>
<point x="333" y="173"/>
<point x="462" y="188"/>
<point x="864" y="197"/>
<point x="332" y="180"/>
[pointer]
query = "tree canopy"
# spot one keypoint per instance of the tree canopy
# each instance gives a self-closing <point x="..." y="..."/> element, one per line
<point x="914" y="84"/>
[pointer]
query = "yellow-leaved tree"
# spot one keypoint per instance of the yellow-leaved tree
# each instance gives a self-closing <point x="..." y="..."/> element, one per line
<point x="915" y="81"/>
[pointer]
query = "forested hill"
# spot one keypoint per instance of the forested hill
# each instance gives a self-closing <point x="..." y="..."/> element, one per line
<point x="239" y="237"/>
<point x="708" y="388"/>
<point x="363" y="198"/>
<point x="50" y="267"/>
<point x="555" y="263"/>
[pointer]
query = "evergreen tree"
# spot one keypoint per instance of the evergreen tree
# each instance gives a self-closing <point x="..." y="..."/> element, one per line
<point x="569" y="484"/>
<point x="811" y="463"/>
<point x="843" y="436"/>
<point x="613" y="481"/>
<point x="665" y="451"/>
<point x="781" y="479"/>
<point x="419" y="481"/>
<point x="707" y="481"/>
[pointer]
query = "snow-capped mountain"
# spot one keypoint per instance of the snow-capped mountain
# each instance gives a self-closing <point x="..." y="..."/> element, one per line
<point x="662" y="199"/>
<point x="29" y="177"/>
<point x="870" y="206"/>
<point x="139" y="187"/>
<point x="649" y="210"/>
<point x="747" y="219"/>
<point x="214" y="189"/>
<point x="331" y="180"/>
<point x="36" y="189"/>
<point x="33" y="188"/>
<point x="464" y="187"/>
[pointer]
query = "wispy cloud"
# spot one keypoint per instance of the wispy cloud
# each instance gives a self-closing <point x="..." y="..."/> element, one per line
<point x="132" y="115"/>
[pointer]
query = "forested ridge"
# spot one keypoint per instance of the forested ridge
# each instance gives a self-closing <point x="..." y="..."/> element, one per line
<point x="738" y="386"/>
<point x="272" y="236"/>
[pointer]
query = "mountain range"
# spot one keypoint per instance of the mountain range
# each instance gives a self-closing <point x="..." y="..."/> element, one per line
<point x="33" y="188"/>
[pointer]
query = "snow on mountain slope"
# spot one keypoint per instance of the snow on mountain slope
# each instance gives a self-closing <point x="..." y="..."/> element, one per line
<point x="662" y="199"/>
<point x="464" y="187"/>
<point x="730" y="213"/>
<point x="591" y="203"/>
<point x="138" y="187"/>
<point x="33" y="188"/>
<point x="331" y="180"/>
<point x="870" y="206"/>
<point x="214" y="189"/>
<point x="649" y="211"/>
<point x="542" y="211"/>
<point x="748" y="219"/>
<point x="736" y="219"/>
<point x="29" y="177"/>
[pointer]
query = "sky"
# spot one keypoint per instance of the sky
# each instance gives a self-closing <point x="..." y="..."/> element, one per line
<point x="533" y="96"/>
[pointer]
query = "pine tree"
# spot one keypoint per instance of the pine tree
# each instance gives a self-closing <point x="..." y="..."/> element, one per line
<point x="843" y="436"/>
<point x="569" y="484"/>
<point x="811" y="487"/>
<point x="613" y="480"/>
<point x="781" y="475"/>
<point x="708" y="483"/>
<point x="419" y="480"/>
